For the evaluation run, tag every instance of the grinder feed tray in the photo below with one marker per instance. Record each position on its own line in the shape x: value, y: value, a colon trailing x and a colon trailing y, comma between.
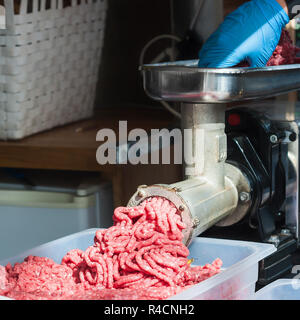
x: 183, y: 81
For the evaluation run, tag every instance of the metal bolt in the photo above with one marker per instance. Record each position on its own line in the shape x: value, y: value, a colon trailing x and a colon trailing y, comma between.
x: 293, y: 137
x: 181, y: 208
x: 285, y: 231
x: 196, y: 222
x: 274, y: 138
x: 244, y: 196
x: 223, y: 156
x: 274, y: 239
x: 142, y: 193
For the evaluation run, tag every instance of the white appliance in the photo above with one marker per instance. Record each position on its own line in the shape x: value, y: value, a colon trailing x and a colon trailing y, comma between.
x: 41, y: 206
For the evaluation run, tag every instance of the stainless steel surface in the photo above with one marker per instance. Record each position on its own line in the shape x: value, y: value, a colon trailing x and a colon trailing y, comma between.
x: 198, y: 114
x: 183, y: 81
x: 244, y: 189
x: 206, y: 144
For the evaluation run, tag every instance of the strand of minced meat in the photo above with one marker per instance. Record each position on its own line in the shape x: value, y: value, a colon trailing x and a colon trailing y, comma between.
x: 143, y: 249
x: 284, y: 54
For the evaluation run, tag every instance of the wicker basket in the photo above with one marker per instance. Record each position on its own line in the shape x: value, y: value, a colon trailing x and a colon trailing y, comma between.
x: 49, y: 62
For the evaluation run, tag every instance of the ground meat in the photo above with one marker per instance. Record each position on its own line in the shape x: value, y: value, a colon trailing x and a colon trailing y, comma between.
x: 3, y: 279
x: 285, y: 52
x: 39, y: 276
x: 143, y: 249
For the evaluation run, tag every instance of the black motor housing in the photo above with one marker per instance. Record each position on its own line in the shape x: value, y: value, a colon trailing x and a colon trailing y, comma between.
x: 259, y: 147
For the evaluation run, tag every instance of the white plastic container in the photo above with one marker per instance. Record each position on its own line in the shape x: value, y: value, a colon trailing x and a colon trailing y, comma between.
x: 76, y: 183
x: 283, y: 289
x: 236, y: 281
x: 240, y: 269
x: 48, y: 211
x: 49, y: 63
x: 30, y: 218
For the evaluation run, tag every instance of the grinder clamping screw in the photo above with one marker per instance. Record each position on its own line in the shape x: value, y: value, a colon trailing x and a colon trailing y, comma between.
x: 142, y: 193
x: 285, y: 232
x: 273, y: 138
x: 181, y: 208
x: 274, y: 239
x: 196, y: 222
x: 244, y: 196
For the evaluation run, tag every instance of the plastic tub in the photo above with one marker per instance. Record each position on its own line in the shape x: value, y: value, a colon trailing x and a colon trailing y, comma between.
x: 240, y: 269
x: 284, y: 289
x: 31, y: 218
x: 236, y: 281
x: 38, y: 206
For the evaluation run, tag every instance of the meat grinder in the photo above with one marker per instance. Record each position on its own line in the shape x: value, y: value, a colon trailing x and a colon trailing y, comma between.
x: 242, y: 180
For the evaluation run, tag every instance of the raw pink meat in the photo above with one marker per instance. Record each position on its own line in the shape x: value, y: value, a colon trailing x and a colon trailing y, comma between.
x: 285, y: 52
x: 143, y: 249
x: 3, y: 278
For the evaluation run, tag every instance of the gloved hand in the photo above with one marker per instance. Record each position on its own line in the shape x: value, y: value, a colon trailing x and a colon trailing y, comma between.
x: 251, y: 33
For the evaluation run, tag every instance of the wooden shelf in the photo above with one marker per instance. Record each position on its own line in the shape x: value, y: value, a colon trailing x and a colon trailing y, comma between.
x: 74, y: 146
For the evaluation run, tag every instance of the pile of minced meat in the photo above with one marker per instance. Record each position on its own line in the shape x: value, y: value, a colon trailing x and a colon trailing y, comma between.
x: 142, y: 250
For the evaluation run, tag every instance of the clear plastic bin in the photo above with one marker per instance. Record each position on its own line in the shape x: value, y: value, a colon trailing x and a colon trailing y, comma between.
x: 236, y: 281
x: 240, y: 269
x: 31, y: 218
x: 284, y: 289
x: 38, y: 206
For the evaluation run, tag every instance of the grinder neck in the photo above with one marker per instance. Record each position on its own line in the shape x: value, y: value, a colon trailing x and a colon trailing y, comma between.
x: 205, y: 140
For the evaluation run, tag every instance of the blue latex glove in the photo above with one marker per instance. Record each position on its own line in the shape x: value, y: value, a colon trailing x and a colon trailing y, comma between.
x: 251, y: 33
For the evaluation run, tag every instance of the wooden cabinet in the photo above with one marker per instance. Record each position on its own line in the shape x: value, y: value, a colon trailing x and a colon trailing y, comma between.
x: 73, y: 147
